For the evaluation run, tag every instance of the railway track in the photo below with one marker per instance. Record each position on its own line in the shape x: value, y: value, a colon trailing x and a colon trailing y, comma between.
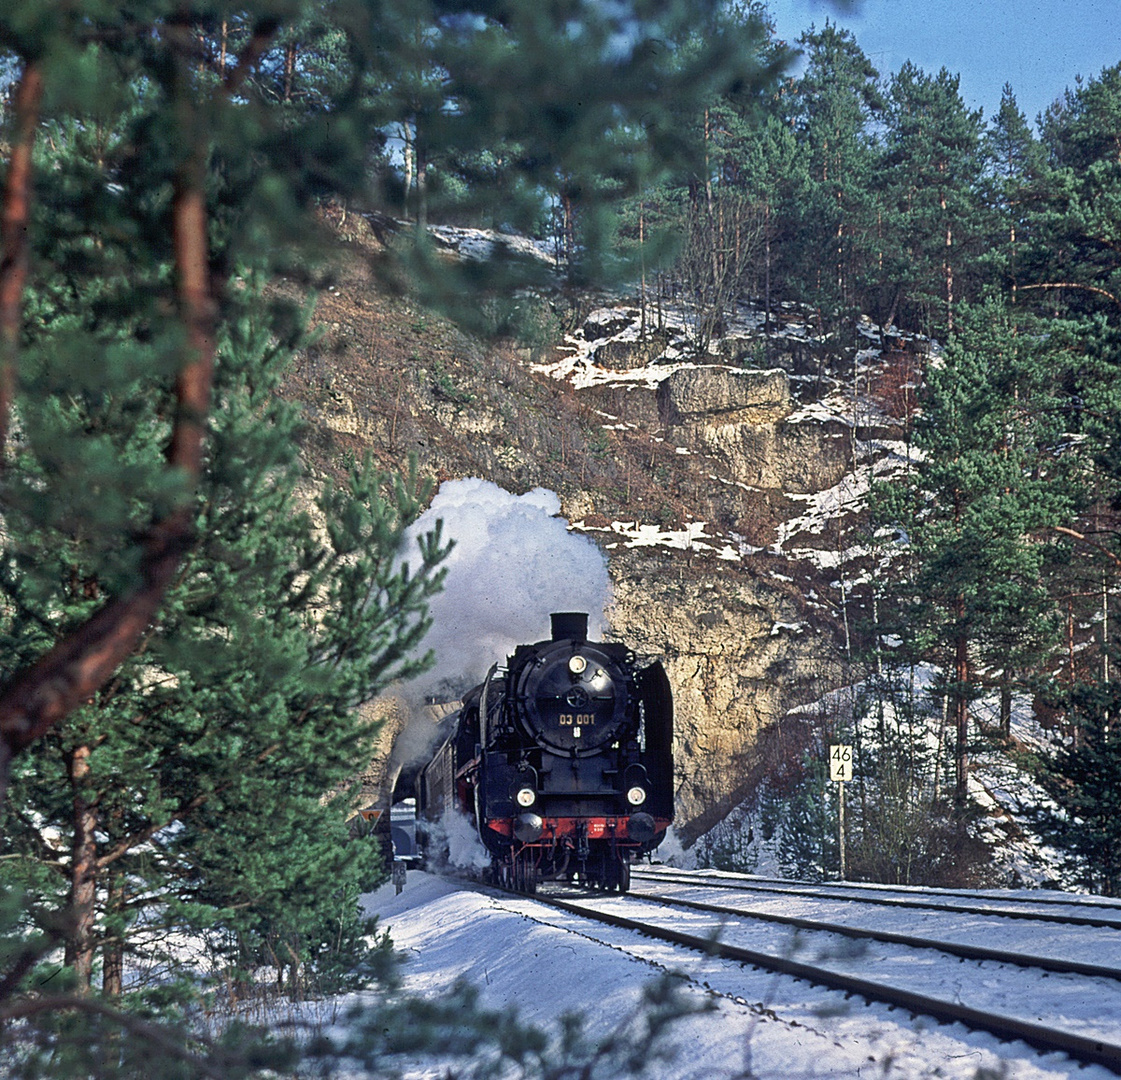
x: 953, y: 948
x: 1039, y: 897
x: 1018, y: 907
x: 893, y: 977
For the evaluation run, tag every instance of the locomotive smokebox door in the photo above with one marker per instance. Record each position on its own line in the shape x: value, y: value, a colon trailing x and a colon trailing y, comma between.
x: 573, y: 697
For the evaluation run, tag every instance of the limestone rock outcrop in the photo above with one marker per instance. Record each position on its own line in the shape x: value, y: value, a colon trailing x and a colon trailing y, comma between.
x: 794, y: 458
x: 724, y: 395
x: 740, y: 650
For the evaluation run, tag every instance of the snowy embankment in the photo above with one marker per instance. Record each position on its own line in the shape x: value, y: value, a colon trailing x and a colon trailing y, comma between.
x: 542, y: 963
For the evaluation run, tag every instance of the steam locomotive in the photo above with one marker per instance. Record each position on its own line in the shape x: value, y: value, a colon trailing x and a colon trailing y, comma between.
x: 562, y: 759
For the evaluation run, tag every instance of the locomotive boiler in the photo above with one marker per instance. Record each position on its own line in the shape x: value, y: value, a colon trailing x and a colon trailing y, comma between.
x: 562, y: 759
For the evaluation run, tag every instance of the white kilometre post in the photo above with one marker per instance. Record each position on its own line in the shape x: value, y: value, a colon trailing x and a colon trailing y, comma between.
x: 840, y: 770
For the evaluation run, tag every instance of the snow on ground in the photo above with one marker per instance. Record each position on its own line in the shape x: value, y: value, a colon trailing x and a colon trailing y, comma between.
x: 1011, y: 798
x: 692, y: 538
x: 482, y: 244
x: 525, y: 957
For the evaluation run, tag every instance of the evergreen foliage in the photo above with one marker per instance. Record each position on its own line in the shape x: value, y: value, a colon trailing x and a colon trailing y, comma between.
x: 1083, y: 777
x: 834, y: 105
x: 930, y: 174
x: 1014, y: 165
x: 190, y: 794
x: 987, y: 486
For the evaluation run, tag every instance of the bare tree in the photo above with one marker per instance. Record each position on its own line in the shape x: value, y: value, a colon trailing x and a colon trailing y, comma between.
x: 724, y: 240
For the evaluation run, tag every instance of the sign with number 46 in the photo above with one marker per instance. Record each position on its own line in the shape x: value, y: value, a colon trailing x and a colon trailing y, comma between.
x: 840, y: 762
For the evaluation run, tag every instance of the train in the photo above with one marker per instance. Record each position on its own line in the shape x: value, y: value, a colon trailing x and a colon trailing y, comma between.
x: 562, y: 759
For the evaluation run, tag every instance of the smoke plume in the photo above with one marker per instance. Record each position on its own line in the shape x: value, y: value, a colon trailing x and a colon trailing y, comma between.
x: 514, y: 562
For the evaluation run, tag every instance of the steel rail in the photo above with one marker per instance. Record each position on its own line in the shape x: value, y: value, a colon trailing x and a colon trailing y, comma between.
x: 953, y: 948
x: 826, y: 893
x: 1079, y: 1047
x: 1044, y: 897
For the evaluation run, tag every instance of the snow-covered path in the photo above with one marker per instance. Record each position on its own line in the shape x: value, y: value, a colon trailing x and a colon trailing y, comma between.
x: 543, y: 963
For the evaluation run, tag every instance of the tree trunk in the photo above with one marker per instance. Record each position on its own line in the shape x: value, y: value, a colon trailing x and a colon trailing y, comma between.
x: 15, y: 218
x: 83, y: 872
x: 569, y: 226
x: 223, y: 48
x: 949, y: 271
x: 407, y: 139
x: 642, y: 257
x: 39, y: 696
x: 421, y: 186
x: 1006, y: 704
x: 113, y: 951
x: 961, y: 718
x: 289, y: 70
x: 767, y: 278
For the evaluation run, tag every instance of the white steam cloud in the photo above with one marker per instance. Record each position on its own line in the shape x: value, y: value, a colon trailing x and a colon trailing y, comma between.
x: 513, y: 564
x: 465, y: 850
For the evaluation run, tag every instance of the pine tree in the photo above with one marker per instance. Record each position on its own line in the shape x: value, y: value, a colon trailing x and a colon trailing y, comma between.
x: 773, y: 168
x: 1084, y: 780
x: 986, y: 489
x: 1073, y: 278
x: 195, y: 779
x: 834, y: 105
x: 930, y: 175
x: 1014, y: 164
x: 1076, y: 270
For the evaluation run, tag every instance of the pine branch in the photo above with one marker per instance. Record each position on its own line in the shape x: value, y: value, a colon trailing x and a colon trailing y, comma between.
x: 264, y: 34
x: 1083, y: 538
x: 1073, y: 285
x: 156, y: 1035
x: 123, y: 847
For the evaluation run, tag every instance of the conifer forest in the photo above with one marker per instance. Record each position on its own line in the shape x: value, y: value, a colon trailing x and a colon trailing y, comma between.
x: 183, y: 648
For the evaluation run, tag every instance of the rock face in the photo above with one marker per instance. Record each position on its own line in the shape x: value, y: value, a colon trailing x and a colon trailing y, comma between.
x: 742, y: 418
x: 724, y: 395
x: 795, y: 458
x: 739, y: 651
x: 628, y: 355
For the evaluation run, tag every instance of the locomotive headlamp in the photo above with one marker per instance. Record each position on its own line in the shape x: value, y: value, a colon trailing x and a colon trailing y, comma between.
x: 636, y: 796
x: 525, y: 796
x: 577, y: 665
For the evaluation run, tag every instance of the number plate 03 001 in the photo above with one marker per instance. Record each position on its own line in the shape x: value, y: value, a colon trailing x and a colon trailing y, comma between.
x: 576, y: 719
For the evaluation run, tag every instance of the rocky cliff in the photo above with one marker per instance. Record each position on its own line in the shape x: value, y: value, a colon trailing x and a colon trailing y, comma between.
x: 726, y: 489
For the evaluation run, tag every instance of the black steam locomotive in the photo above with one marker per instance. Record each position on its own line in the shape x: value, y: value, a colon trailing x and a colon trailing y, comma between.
x: 563, y: 760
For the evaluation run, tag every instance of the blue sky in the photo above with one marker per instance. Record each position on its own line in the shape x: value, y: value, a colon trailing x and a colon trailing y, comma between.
x: 1039, y: 46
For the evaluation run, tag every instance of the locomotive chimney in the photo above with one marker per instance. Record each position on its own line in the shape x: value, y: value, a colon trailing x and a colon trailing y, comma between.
x: 569, y: 624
